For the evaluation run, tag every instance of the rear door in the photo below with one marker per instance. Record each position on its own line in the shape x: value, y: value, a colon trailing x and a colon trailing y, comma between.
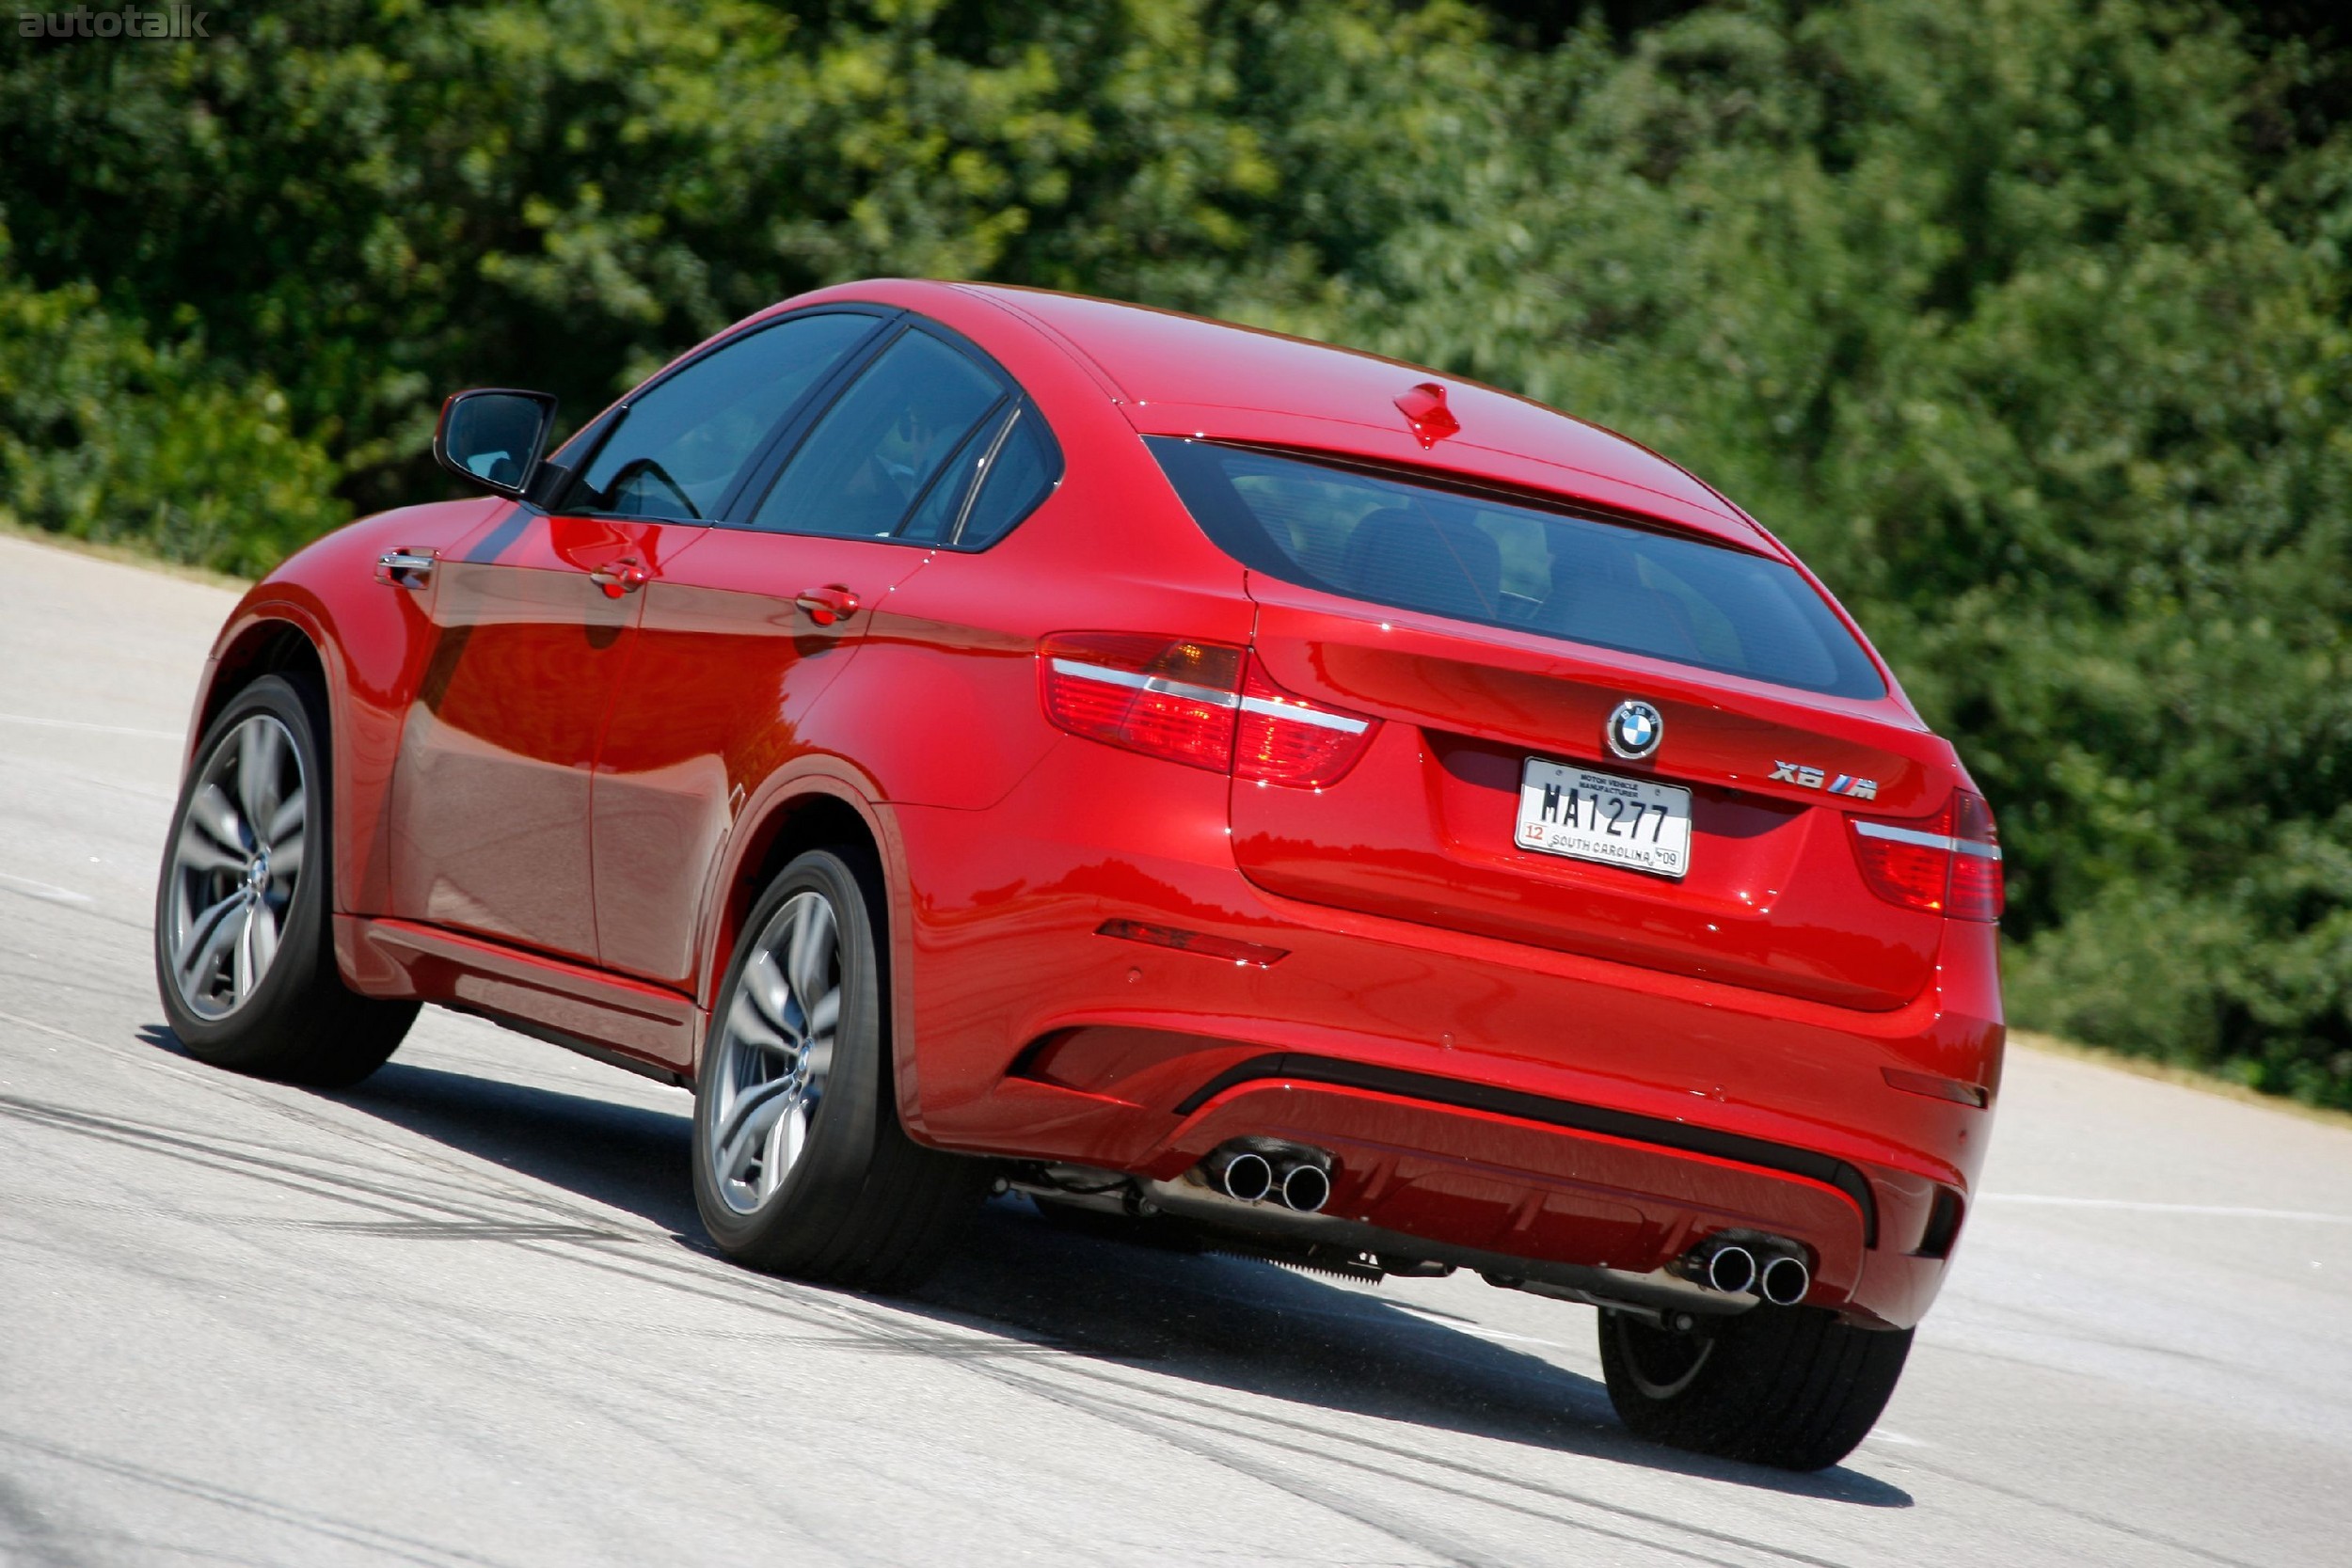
x: 741, y: 639
x: 1495, y: 641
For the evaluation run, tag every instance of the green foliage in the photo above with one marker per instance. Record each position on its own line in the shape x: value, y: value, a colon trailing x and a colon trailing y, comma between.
x: 2023, y: 320
x: 105, y: 436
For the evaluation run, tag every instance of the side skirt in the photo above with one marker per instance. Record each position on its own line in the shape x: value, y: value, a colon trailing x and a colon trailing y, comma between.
x: 645, y: 1028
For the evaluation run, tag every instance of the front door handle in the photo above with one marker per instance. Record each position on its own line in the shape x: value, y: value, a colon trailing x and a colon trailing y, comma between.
x: 826, y: 606
x: 622, y: 577
x: 410, y: 569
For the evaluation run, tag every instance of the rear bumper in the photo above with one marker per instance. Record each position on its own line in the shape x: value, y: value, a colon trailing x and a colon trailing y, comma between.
x: 1486, y: 1099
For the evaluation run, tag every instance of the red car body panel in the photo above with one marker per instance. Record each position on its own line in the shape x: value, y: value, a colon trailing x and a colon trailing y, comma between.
x: 553, y: 805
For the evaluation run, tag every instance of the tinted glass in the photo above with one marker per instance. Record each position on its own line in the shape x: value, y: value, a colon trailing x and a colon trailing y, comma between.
x: 682, y: 443
x: 1021, y: 475
x: 936, y: 514
x: 872, y: 456
x: 1485, y: 559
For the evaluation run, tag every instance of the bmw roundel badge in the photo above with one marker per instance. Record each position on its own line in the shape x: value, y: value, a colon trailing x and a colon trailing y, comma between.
x: 1634, y: 730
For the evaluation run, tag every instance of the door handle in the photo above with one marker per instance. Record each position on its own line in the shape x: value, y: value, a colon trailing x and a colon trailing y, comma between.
x: 410, y: 569
x: 622, y: 577
x: 827, y: 605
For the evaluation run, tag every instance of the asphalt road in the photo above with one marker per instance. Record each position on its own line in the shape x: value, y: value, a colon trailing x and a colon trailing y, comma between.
x: 463, y: 1316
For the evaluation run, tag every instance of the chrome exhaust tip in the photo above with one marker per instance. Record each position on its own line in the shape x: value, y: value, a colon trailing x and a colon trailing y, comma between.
x: 1306, y: 1188
x: 1238, y: 1173
x: 1785, y: 1281
x: 1730, y: 1269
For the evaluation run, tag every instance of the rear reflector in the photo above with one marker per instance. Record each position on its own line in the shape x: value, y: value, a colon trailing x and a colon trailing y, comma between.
x: 1935, y: 1088
x: 1194, y: 942
x: 1948, y: 864
x: 1206, y: 705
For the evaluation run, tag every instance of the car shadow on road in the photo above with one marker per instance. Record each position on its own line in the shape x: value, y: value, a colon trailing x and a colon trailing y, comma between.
x: 1208, y: 1317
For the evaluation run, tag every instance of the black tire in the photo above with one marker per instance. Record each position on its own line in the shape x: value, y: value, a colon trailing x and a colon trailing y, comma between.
x: 1790, y: 1387
x: 854, y: 1201
x: 297, y: 1020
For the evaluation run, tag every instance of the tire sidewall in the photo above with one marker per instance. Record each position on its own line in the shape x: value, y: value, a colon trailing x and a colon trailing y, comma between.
x: 831, y: 1168
x: 227, y: 1040
x: 1744, y: 1402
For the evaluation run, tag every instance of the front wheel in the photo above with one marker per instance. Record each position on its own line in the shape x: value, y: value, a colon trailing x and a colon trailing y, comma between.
x: 243, y: 955
x: 800, y: 1165
x: 1790, y: 1387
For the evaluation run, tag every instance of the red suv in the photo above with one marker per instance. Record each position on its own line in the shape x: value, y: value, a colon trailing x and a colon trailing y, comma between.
x: 1279, y: 795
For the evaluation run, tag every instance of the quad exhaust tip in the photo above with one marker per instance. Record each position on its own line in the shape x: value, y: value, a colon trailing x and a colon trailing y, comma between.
x: 1306, y: 1188
x: 1731, y: 1269
x: 1240, y: 1173
x: 1294, y: 1176
x: 1785, y: 1281
x: 1745, y: 1262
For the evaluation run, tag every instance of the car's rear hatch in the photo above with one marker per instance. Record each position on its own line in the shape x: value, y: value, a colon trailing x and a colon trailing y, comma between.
x: 1426, y: 826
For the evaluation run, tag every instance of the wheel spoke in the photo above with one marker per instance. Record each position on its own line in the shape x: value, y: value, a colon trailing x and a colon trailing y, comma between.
x: 263, y: 924
x: 749, y: 1025
x: 764, y: 984
x: 748, y: 1123
x: 200, y: 849
x: 285, y: 823
x: 213, y: 813
x: 209, y: 938
x: 825, y: 1014
x: 241, y: 972
x: 260, y: 756
x: 808, y: 956
x: 792, y: 1139
x: 817, y: 1064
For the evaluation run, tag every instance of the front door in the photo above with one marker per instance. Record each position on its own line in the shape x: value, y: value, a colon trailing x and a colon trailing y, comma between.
x: 492, y: 804
x: 489, y: 808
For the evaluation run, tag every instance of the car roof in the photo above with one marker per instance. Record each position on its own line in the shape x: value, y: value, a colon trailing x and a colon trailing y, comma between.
x: 1177, y: 374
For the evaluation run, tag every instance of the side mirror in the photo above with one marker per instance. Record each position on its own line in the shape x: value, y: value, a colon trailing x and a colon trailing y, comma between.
x: 493, y: 436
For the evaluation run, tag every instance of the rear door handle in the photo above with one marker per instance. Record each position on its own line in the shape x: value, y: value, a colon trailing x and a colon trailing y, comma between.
x: 410, y: 569
x: 826, y: 606
x: 622, y: 577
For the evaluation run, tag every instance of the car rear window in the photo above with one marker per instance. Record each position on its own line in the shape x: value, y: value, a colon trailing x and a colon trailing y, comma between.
x: 1482, y: 558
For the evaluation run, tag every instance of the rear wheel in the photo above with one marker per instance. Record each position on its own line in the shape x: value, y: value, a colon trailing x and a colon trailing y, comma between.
x: 1790, y: 1387
x: 244, y: 954
x: 800, y: 1165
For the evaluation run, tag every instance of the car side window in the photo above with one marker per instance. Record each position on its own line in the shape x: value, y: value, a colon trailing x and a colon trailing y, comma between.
x: 941, y: 509
x: 875, y: 452
x: 1022, y: 471
x: 683, y: 442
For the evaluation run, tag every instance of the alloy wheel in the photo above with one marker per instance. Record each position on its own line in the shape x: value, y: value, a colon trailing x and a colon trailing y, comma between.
x: 236, y: 863
x: 776, y: 1052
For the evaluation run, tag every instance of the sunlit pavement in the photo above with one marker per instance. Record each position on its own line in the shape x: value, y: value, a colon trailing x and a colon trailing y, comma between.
x: 463, y: 1315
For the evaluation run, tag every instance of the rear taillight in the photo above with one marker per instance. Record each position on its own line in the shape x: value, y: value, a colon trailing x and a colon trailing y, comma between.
x: 1948, y: 864
x: 1207, y: 705
x: 1164, y: 697
x: 1285, y: 739
x: 1977, y: 890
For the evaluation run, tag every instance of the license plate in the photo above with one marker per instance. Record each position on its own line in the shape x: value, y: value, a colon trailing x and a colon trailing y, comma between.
x: 1601, y: 816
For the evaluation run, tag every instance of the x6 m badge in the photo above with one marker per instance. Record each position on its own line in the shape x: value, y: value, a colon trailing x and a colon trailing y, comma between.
x: 1813, y: 778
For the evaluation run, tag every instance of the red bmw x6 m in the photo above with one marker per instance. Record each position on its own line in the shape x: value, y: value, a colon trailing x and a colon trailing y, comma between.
x: 1283, y: 797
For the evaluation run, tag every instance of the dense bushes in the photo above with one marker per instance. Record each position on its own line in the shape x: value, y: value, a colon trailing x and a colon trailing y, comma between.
x: 2024, y: 320
x: 107, y: 436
